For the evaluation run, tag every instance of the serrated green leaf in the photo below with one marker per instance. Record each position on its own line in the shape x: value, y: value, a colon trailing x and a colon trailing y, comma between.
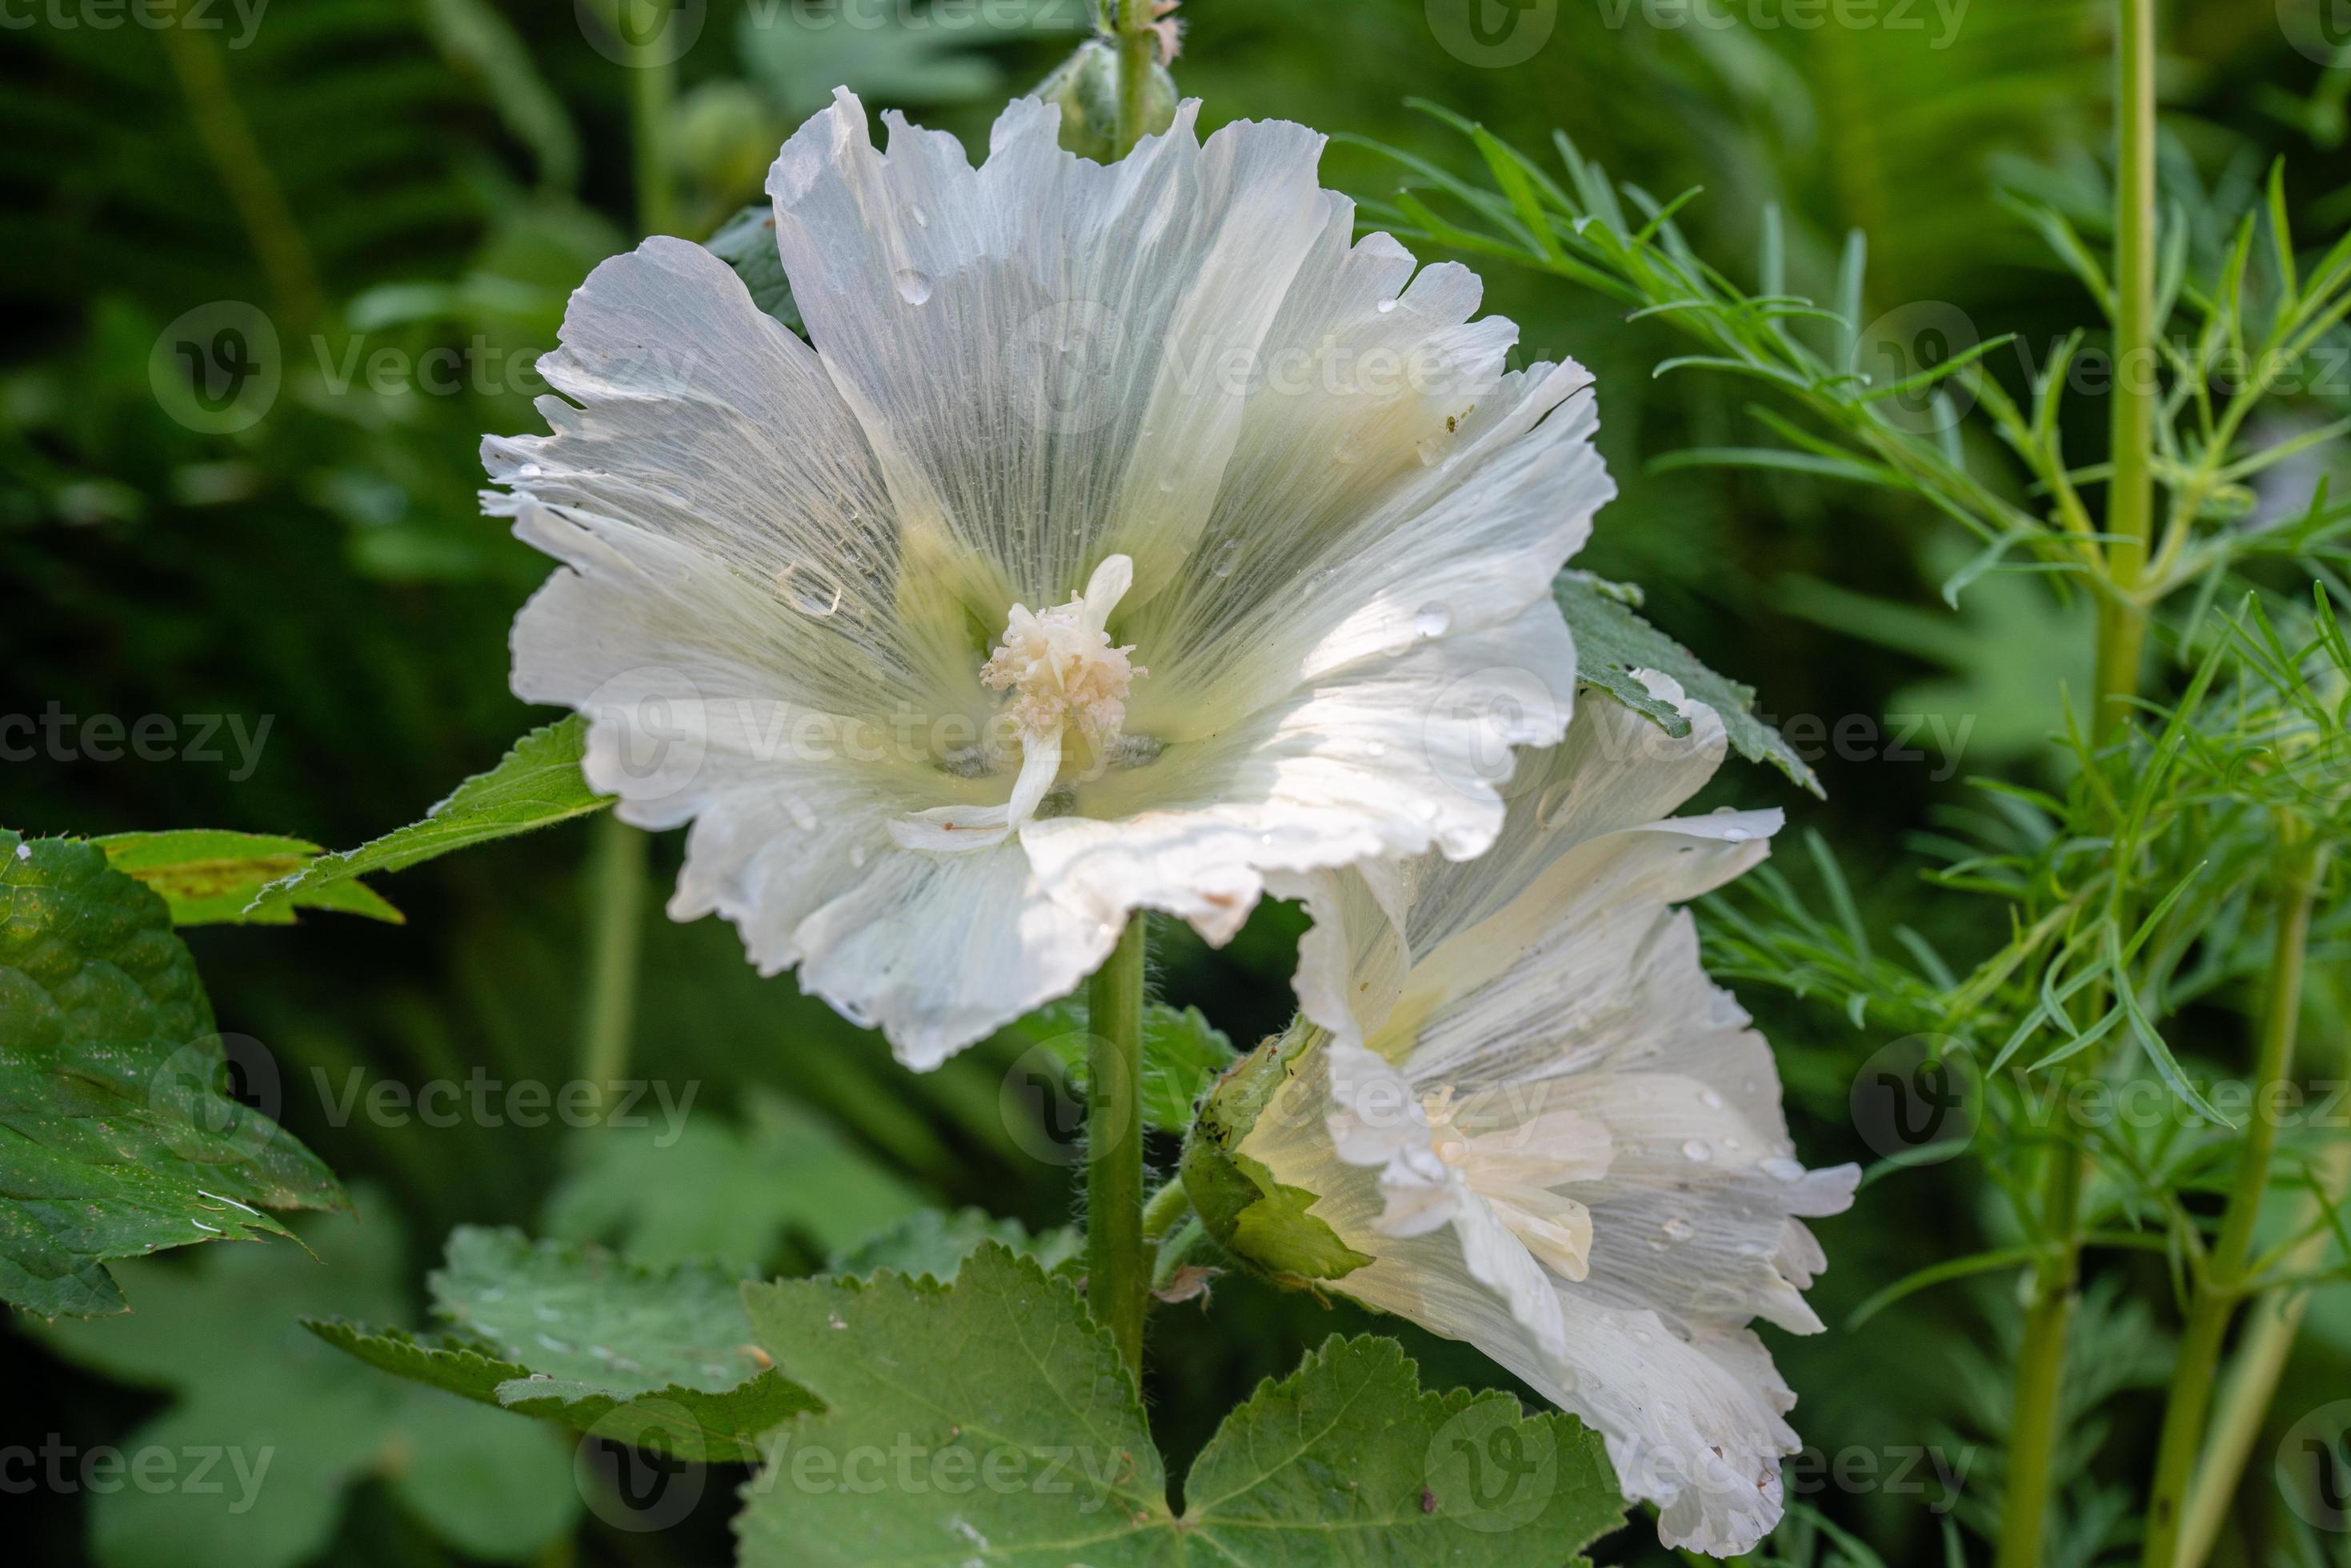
x: 289, y: 1425
x: 536, y: 784
x: 577, y: 1337
x: 936, y: 1242
x: 1181, y: 1055
x: 747, y: 242
x: 1008, y: 1430
x: 1611, y: 642
x: 116, y: 1137
x: 704, y: 1188
x: 209, y: 875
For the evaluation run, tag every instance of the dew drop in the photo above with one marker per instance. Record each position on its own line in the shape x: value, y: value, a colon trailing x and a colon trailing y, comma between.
x: 922, y: 219
x: 1697, y: 1150
x: 1386, y: 306
x: 913, y: 288
x: 1428, y: 449
x: 1432, y: 620
x: 1679, y: 1229
x: 808, y: 589
x: 1782, y: 1169
x: 1553, y: 801
x: 1221, y: 564
x: 1710, y: 1100
x: 1736, y: 835
x: 1376, y: 748
x: 1731, y: 1143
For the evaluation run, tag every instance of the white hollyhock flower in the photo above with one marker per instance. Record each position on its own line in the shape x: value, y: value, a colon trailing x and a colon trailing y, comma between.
x: 1132, y: 536
x: 1551, y: 1136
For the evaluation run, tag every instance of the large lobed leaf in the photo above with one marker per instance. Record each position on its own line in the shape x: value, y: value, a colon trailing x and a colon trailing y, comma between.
x: 684, y: 1186
x: 536, y: 784
x: 991, y: 1420
x: 577, y: 1337
x: 268, y: 1430
x: 116, y: 1136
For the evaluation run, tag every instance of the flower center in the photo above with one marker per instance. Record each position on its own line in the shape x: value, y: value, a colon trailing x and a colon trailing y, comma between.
x: 1062, y: 671
x: 1059, y: 663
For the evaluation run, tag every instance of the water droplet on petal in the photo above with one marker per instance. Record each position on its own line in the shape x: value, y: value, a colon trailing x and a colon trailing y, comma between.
x: 913, y: 288
x: 809, y: 588
x: 1782, y: 1169
x: 922, y: 219
x: 1697, y: 1149
x: 1736, y: 835
x: 1432, y: 620
x: 1680, y: 1229
x: 1376, y: 748
x: 1386, y: 306
x: 1221, y: 566
x: 1710, y: 1100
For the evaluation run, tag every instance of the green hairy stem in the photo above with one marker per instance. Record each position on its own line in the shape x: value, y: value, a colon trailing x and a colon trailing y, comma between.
x: 1118, y: 1265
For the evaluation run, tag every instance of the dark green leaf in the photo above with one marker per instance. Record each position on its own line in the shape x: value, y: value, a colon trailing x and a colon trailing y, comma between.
x: 694, y: 1187
x: 116, y: 1135
x: 536, y: 784
x: 577, y: 1337
x: 1181, y: 1055
x: 1611, y: 642
x: 289, y: 1425
x: 209, y: 875
x: 1012, y: 1431
x: 936, y: 1242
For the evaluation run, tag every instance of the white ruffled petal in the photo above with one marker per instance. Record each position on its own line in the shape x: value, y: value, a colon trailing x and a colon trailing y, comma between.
x: 1035, y: 346
x: 1596, y: 1119
x: 1398, y: 756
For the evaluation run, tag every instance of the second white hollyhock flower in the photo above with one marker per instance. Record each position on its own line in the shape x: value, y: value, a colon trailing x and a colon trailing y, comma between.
x: 1530, y: 1121
x: 1132, y: 536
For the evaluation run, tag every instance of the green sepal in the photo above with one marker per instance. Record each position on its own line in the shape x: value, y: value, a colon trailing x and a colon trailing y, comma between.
x: 1255, y: 1217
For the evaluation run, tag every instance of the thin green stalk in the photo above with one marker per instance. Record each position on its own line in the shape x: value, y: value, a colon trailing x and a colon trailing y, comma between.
x: 2272, y: 1323
x: 653, y: 86
x: 229, y: 143
x: 616, y: 897
x: 2222, y: 1283
x: 2130, y: 506
x: 2122, y: 634
x: 1118, y: 1265
x: 1136, y: 46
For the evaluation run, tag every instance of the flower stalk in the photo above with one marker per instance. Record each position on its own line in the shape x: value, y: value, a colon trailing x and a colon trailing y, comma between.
x: 1118, y: 1262
x: 2222, y: 1283
x: 2121, y: 639
x: 1137, y: 48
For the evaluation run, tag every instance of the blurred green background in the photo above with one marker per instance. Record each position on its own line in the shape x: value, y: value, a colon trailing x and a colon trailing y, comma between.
x: 417, y: 185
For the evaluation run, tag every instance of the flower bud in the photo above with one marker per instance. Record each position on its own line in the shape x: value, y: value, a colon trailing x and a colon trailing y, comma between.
x: 1086, y: 86
x: 1251, y: 1215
